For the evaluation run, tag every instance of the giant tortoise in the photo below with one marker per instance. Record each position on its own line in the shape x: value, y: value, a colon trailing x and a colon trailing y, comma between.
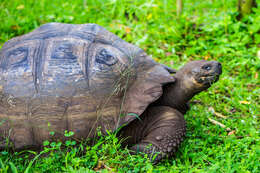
x: 78, y: 77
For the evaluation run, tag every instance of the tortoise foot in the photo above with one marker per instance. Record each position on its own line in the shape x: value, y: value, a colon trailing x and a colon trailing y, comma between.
x: 163, y: 133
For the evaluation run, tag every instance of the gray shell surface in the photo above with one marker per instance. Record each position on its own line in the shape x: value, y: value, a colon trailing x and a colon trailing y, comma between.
x: 73, y: 77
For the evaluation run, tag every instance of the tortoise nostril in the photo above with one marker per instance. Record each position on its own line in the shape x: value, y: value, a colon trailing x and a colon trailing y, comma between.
x: 219, y: 68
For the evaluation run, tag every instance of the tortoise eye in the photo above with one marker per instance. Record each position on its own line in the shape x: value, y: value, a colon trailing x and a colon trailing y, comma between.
x: 106, y: 58
x: 207, y: 67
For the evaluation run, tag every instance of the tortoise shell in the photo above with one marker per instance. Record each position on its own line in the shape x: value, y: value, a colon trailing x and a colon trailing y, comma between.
x: 73, y: 77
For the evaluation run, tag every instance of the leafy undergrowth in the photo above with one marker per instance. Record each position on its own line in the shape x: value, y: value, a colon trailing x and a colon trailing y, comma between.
x: 206, y: 30
x: 104, y: 155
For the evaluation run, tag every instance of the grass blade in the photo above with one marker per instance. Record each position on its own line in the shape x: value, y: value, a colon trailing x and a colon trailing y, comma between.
x: 13, y: 167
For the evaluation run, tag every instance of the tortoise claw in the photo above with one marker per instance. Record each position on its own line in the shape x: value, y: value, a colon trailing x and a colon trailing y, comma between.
x: 153, y: 152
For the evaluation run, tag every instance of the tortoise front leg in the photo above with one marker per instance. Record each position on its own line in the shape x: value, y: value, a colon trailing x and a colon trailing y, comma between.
x: 162, y: 129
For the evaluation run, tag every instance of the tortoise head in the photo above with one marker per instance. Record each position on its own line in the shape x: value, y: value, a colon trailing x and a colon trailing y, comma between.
x: 197, y: 76
x: 191, y: 79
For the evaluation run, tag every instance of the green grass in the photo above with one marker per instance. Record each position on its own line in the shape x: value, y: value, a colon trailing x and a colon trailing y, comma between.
x: 206, y: 30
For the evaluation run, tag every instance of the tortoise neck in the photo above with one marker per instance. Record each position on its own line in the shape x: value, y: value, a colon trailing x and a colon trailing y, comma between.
x: 176, y: 95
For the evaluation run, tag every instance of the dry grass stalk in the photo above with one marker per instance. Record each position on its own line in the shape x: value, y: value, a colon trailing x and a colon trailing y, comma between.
x: 219, y: 124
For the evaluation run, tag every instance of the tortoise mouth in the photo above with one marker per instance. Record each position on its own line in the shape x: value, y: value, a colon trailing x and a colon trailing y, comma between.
x: 209, y: 79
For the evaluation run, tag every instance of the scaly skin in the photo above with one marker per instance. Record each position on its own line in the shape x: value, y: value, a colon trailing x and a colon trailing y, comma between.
x: 162, y: 126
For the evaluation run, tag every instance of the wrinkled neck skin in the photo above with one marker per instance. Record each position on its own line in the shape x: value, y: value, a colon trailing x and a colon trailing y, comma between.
x: 177, y: 95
